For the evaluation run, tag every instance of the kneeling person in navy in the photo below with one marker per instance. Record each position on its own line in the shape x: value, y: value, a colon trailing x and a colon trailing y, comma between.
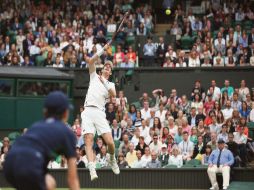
x: 25, y: 167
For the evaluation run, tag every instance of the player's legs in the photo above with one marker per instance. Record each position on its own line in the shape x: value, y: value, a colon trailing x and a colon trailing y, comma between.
x: 50, y: 182
x: 88, y: 129
x: 90, y: 157
x: 107, y: 137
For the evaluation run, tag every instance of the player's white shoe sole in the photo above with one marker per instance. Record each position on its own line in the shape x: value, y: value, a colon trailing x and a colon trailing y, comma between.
x: 114, y: 166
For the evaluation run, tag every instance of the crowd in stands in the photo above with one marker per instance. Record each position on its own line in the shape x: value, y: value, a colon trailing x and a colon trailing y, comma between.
x: 178, y: 130
x: 64, y: 33
x: 222, y: 36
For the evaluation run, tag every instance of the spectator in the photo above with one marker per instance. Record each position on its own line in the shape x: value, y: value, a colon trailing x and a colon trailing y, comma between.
x: 138, y: 163
x: 131, y: 55
x: 176, y: 158
x: 80, y: 163
x: 241, y: 139
x: 144, y: 129
x: 194, y: 60
x: 138, y: 120
x: 206, y: 155
x: 141, y: 145
x: 110, y: 113
x: 243, y: 90
x: 154, y: 163
x: 103, y: 157
x: 186, y: 147
x: 116, y: 130
x: 146, y: 158
x: 220, y: 161
x: 161, y: 50
x: 131, y: 156
x: 227, y: 112
x: 6, y: 145
x: 199, y: 148
x: 236, y: 104
x: 135, y: 138
x: 119, y: 57
x: 192, y: 120
x: 156, y: 144
x: 121, y: 162
x: 145, y: 112
x: 223, y: 134
x: 124, y: 146
x: 213, y: 143
x: 233, y: 147
x: 214, y: 127
x: 164, y: 156
x: 197, y: 102
x: 149, y: 51
x: 244, y: 110
x: 228, y: 88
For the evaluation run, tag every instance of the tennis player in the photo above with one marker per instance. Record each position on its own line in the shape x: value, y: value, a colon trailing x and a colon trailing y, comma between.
x: 94, y: 117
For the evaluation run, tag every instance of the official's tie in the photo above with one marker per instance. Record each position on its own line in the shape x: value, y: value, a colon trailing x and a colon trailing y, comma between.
x: 218, y: 161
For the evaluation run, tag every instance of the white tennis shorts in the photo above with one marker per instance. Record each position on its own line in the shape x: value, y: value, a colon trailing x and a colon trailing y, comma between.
x: 94, y: 119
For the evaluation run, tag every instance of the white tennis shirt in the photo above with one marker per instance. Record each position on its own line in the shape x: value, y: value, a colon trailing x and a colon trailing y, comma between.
x: 97, y: 94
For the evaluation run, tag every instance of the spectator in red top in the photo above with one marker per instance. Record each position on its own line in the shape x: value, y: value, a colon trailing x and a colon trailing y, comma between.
x: 243, y: 123
x: 209, y: 104
x: 131, y: 55
x: 208, y: 119
x: 119, y: 56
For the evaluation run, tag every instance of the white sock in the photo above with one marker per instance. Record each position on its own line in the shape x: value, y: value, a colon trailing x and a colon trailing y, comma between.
x: 112, y: 156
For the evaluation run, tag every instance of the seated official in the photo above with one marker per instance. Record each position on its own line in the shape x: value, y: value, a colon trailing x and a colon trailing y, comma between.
x: 219, y: 162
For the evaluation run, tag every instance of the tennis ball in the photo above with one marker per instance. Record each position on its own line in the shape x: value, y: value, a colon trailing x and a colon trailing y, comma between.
x: 168, y: 12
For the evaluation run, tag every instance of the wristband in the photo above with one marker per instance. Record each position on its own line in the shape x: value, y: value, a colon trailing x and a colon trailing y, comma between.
x: 99, y: 53
x: 105, y: 84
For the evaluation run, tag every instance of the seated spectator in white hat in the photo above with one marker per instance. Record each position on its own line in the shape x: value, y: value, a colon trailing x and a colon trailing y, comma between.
x: 176, y: 158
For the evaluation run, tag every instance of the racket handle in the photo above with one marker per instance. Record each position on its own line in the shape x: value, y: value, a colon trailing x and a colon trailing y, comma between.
x: 109, y: 42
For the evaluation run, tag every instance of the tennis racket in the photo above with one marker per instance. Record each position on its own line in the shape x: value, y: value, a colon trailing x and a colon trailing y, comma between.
x: 119, y: 28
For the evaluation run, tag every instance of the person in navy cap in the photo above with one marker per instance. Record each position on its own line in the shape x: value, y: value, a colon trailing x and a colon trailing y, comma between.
x: 220, y: 161
x: 25, y: 167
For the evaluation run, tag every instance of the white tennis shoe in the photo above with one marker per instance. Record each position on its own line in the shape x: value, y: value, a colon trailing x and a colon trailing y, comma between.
x: 114, y: 166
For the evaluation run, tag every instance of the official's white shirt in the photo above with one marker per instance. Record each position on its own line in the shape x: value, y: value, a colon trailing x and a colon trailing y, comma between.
x: 97, y: 94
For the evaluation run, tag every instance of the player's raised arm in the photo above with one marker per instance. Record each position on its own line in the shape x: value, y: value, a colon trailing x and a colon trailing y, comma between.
x: 72, y: 177
x: 91, y: 61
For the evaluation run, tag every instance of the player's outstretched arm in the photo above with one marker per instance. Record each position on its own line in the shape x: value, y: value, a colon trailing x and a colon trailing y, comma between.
x: 91, y: 61
x: 73, y: 180
x: 111, y: 89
